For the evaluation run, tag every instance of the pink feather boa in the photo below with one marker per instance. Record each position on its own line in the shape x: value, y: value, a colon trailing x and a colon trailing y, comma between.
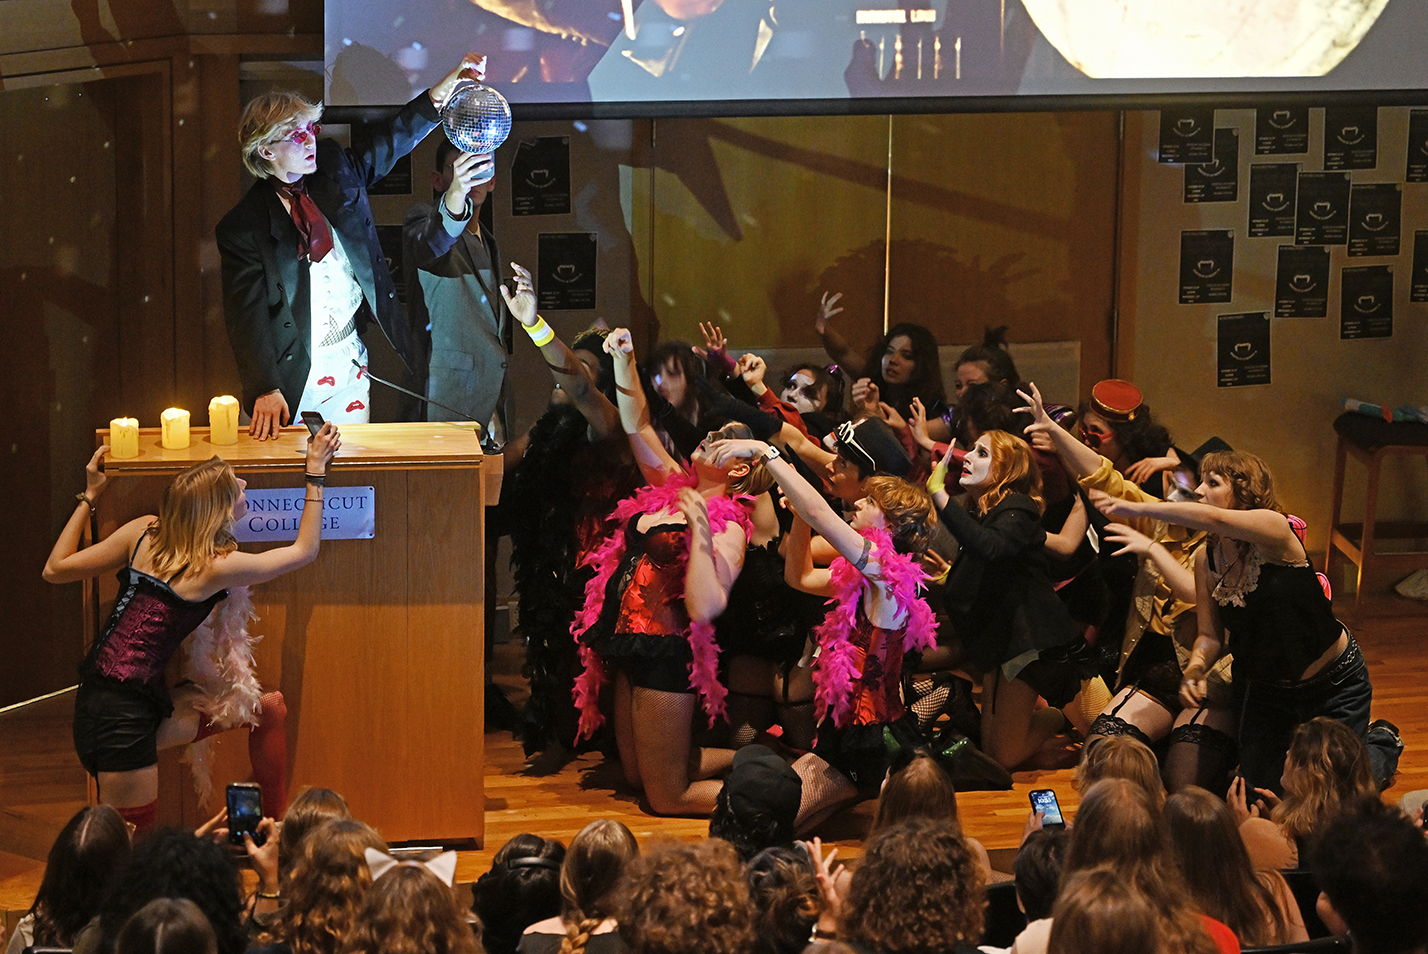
x: 836, y: 671
x: 704, y: 668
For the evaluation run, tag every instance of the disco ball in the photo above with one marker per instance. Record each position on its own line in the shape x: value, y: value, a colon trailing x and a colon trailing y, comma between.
x: 477, y: 119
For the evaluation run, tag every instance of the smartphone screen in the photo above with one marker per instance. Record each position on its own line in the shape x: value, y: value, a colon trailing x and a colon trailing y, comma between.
x: 313, y: 420
x: 245, y: 810
x: 1044, y: 800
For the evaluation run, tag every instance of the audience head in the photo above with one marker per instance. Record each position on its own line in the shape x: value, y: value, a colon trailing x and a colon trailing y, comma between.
x: 916, y: 787
x: 409, y: 910
x: 918, y: 890
x: 1207, y: 850
x: 325, y: 887
x: 593, y: 867
x: 1120, y: 756
x: 1101, y: 911
x: 869, y: 447
x: 1236, y: 480
x: 904, y: 364
x: 1118, y: 823
x: 906, y: 509
x: 1371, y: 863
x: 682, y: 898
x: 589, y: 348
x: 812, y: 389
x: 1037, y: 869
x: 311, y: 808
x: 786, y: 899
x: 1327, y: 765
x: 174, y: 863
x: 758, y: 803
x: 991, y: 407
x: 743, y: 475
x: 167, y: 926
x: 522, y: 887
x: 90, y: 849
x: 986, y: 363
x: 1001, y: 464
x: 673, y: 366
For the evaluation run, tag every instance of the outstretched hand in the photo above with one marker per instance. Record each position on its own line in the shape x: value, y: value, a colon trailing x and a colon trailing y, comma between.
x: 523, y: 303
x: 1112, y: 507
x: 734, y: 448
x: 1128, y: 538
x: 714, y: 340
x: 472, y: 67
x: 95, y: 480
x: 1147, y: 467
x: 826, y: 310
x: 322, y: 447
x: 619, y: 342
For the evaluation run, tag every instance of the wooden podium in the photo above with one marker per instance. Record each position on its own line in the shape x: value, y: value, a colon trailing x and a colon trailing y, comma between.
x: 377, y: 645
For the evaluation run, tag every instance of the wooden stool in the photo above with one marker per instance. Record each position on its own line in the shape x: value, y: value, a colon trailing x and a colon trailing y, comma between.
x: 1369, y: 441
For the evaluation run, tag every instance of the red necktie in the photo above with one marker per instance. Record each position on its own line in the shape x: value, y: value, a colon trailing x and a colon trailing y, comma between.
x: 314, y: 235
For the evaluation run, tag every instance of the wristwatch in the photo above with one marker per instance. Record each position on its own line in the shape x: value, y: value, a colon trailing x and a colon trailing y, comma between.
x: 770, y: 453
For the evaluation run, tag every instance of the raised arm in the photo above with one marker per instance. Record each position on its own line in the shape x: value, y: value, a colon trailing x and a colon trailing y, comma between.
x: 833, y: 342
x: 655, y: 462
x: 1067, y: 540
x: 798, y: 569
x: 714, y: 561
x: 570, y: 373
x: 248, y: 569
x: 1208, y: 638
x: 67, y: 562
x: 1267, y: 529
x: 806, y: 501
x: 1045, y: 434
x: 1179, y: 577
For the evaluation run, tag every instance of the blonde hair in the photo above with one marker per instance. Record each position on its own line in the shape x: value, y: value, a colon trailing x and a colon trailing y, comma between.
x: 195, y: 524
x: 1248, y: 476
x: 1120, y: 756
x: 592, y: 869
x: 1013, y: 471
x: 269, y: 118
x: 1326, y: 767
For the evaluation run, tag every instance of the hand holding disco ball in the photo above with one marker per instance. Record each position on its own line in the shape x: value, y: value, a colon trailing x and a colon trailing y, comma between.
x: 477, y: 119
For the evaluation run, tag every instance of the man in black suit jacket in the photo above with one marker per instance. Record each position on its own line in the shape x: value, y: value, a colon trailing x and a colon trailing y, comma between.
x: 311, y: 197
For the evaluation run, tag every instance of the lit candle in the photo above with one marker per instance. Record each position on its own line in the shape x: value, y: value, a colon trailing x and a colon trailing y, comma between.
x: 223, y: 419
x: 175, y: 428
x: 123, y: 438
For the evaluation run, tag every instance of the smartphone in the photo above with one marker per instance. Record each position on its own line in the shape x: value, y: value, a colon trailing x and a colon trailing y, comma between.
x: 314, y: 421
x: 1044, y: 800
x: 245, y: 810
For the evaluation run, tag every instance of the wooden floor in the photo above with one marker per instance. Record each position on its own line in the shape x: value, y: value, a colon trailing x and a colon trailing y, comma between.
x: 41, y: 785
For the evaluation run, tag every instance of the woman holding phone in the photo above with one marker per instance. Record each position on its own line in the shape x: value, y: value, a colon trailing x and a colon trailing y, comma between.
x: 174, y: 568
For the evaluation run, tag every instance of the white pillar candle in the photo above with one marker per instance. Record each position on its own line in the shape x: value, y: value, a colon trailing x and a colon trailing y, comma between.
x: 175, y: 428
x: 123, y: 438
x: 223, y: 419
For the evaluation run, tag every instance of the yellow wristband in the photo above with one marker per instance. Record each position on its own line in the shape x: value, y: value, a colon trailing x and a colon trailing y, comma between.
x: 938, y: 480
x: 540, y: 332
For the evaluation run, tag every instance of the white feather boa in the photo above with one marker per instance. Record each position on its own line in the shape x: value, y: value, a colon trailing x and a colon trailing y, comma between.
x: 218, y: 662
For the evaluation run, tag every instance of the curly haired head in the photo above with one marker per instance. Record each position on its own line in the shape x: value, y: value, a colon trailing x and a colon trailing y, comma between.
x: 1013, y: 471
x: 522, y: 887
x: 918, y: 891
x: 1118, y: 823
x: 921, y: 788
x: 908, y: 509
x: 1327, y: 765
x: 174, y: 863
x: 593, y: 867
x: 90, y: 849
x: 683, y: 898
x: 310, y: 809
x: 1120, y: 756
x: 410, y: 911
x: 1248, y: 476
x: 786, y: 899
x: 325, y: 887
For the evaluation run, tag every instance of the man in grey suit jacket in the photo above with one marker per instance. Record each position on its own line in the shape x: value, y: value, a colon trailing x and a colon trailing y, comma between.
x: 453, y: 269
x: 302, y: 241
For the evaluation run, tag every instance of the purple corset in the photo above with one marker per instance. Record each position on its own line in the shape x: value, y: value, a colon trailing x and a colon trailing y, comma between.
x: 147, y: 625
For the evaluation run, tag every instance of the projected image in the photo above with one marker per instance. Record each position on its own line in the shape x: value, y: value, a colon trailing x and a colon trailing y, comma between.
x: 809, y: 52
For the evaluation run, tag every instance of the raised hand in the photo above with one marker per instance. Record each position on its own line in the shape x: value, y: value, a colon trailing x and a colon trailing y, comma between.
x: 523, y: 303
x: 826, y: 311
x: 321, y: 448
x: 472, y: 67
x: 1147, y: 467
x: 95, y: 480
x: 866, y: 396
x: 714, y: 339
x: 619, y: 342
x: 752, y: 369
x: 1128, y: 538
